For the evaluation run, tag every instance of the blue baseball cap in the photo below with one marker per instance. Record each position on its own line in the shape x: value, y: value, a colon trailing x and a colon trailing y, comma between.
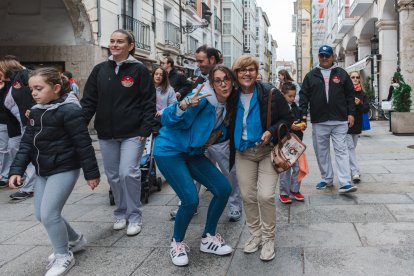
x: 326, y: 49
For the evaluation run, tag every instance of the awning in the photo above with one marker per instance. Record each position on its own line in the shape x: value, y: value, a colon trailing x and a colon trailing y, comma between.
x: 359, y: 65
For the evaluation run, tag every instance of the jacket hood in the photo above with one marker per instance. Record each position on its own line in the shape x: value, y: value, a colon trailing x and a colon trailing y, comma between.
x: 130, y: 59
x: 332, y: 67
x: 67, y: 99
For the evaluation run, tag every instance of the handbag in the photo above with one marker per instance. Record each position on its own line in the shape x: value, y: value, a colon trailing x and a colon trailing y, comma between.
x: 365, y: 121
x: 288, y: 149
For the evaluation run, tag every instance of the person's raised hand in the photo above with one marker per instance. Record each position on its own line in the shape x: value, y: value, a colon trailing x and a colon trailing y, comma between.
x: 193, y: 100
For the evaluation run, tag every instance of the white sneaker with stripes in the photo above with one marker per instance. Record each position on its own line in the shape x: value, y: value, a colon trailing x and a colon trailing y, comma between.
x: 178, y: 253
x: 61, y: 264
x: 215, y: 245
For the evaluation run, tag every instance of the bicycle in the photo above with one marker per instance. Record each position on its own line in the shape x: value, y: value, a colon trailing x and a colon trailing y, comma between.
x: 375, y: 108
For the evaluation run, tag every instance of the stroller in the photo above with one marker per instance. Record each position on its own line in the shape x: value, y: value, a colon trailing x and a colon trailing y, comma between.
x: 149, y: 177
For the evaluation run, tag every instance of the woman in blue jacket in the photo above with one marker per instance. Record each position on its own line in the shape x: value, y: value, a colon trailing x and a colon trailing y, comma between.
x: 188, y: 127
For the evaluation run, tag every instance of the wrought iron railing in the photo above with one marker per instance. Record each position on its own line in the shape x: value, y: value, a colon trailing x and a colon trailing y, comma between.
x: 140, y: 30
x: 172, y: 35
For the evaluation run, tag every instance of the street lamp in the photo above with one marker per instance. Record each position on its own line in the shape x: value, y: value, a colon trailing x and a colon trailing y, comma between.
x: 374, y: 51
x: 374, y: 45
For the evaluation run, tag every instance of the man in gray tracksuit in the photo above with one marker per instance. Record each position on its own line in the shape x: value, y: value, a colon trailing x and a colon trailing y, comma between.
x: 329, y: 92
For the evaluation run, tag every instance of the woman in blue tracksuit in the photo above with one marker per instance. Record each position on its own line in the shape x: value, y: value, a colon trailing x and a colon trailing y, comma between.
x: 188, y: 127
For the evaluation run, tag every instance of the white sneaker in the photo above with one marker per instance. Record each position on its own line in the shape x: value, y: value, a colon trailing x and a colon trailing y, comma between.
x: 74, y: 246
x: 133, y: 229
x: 61, y: 264
x: 215, y: 244
x: 120, y: 224
x: 178, y: 253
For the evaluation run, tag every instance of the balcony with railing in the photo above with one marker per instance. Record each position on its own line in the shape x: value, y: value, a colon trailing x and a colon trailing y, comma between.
x: 217, y: 24
x: 140, y: 30
x: 172, y: 35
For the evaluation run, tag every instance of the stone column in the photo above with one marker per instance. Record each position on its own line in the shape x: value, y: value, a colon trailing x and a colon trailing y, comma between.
x: 364, y: 49
x: 349, y: 58
x: 406, y: 14
x: 387, y: 36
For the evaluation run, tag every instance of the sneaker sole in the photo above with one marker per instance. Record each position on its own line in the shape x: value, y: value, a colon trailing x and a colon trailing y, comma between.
x: 350, y: 190
x: 299, y: 199
x: 356, y: 181
x: 252, y: 251
x: 17, y: 200
x: 285, y: 202
x: 324, y: 187
x: 215, y: 253
x: 269, y: 259
x: 133, y: 234
x: 231, y: 219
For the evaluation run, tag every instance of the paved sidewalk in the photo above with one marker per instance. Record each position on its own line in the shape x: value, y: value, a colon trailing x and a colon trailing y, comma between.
x: 370, y: 232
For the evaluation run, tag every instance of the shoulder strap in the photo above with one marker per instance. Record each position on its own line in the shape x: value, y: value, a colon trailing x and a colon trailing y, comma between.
x: 269, y: 109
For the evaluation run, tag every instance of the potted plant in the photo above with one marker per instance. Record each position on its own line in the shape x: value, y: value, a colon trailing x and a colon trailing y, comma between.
x: 402, y: 119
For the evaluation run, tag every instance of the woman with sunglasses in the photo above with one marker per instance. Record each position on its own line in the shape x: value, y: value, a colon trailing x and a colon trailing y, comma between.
x: 361, y: 106
x: 188, y: 127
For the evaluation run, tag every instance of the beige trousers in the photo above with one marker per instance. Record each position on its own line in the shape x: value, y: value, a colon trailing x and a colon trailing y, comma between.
x: 257, y: 182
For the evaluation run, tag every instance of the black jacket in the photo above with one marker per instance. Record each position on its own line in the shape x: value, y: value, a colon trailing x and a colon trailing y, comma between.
x: 341, y: 96
x: 124, y: 103
x: 297, y: 117
x: 280, y: 113
x: 179, y: 82
x: 359, y: 110
x: 56, y: 140
x: 22, y: 96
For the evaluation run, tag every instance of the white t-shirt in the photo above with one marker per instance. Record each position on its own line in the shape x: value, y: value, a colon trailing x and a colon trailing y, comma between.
x: 245, y: 100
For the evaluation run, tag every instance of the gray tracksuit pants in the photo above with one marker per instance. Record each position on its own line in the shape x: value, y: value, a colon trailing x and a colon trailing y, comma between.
x: 352, y: 141
x: 121, y: 158
x: 50, y: 195
x: 322, y: 133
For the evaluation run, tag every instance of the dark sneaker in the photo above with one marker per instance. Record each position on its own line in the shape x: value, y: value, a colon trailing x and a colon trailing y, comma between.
x: 323, y: 185
x: 3, y: 184
x: 347, y: 189
x: 20, y: 195
x: 356, y: 178
x: 234, y: 216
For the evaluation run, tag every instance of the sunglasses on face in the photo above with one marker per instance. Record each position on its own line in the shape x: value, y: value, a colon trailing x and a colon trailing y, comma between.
x: 324, y: 56
x: 355, y: 77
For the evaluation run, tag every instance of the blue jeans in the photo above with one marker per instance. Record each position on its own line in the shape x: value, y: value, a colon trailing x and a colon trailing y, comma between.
x: 179, y: 171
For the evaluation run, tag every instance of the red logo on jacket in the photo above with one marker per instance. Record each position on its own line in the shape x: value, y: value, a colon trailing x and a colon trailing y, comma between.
x: 127, y: 81
x: 17, y: 85
x: 336, y: 79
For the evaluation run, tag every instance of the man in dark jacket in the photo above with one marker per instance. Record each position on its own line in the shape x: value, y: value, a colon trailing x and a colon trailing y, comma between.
x: 178, y: 81
x: 329, y: 92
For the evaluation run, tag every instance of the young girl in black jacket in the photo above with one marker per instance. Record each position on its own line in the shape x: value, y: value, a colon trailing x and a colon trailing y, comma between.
x: 58, y: 144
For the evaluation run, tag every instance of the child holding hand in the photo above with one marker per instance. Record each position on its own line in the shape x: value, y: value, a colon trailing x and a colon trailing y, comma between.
x: 288, y: 182
x: 58, y: 144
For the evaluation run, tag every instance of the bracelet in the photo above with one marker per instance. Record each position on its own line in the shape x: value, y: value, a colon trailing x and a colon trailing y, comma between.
x: 188, y: 101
